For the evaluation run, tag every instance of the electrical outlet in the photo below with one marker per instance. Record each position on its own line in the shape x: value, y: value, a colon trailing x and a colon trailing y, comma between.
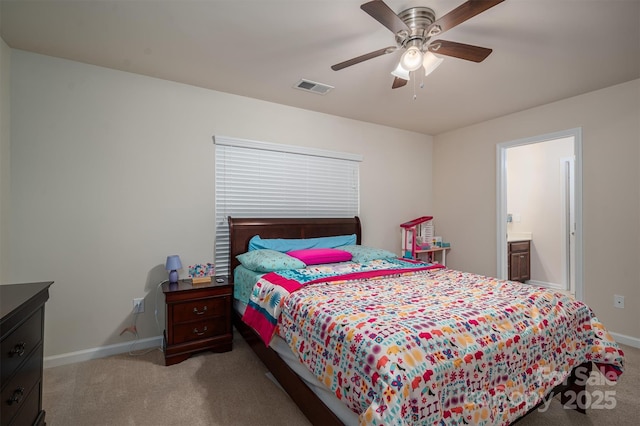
x: 618, y: 301
x: 138, y: 305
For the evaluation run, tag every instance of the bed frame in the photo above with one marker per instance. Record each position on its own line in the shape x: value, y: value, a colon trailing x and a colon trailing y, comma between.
x: 241, y: 230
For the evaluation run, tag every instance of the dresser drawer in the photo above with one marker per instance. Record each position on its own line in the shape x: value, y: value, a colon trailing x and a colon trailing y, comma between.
x: 19, y: 344
x: 16, y: 393
x: 29, y: 410
x: 200, y: 330
x: 200, y: 309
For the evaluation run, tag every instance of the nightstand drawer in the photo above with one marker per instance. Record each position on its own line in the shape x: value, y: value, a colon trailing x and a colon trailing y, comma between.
x: 199, y: 330
x: 199, y: 309
x: 19, y: 344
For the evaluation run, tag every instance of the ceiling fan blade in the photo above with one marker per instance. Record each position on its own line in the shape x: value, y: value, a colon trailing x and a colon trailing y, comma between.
x: 363, y: 58
x: 465, y: 11
x: 383, y: 14
x: 460, y: 50
x: 398, y: 82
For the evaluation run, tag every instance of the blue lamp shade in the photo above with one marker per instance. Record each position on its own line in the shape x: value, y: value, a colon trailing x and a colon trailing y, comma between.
x: 172, y: 265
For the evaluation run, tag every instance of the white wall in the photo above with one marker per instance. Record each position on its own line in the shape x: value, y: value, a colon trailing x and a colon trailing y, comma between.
x: 5, y: 152
x: 465, y: 193
x: 111, y: 172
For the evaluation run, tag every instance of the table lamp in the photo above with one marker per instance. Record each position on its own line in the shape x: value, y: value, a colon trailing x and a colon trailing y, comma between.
x: 172, y: 265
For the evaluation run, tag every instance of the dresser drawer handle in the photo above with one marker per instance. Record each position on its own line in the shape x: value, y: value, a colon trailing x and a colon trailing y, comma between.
x: 18, y: 349
x: 16, y: 397
x: 202, y: 312
x: 197, y: 333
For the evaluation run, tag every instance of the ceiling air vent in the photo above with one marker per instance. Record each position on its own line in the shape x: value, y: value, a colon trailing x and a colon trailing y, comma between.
x: 313, y: 87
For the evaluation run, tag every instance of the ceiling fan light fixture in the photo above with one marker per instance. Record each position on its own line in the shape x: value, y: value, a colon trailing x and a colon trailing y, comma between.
x: 411, y: 60
x: 430, y: 63
x: 400, y: 73
x: 413, y: 29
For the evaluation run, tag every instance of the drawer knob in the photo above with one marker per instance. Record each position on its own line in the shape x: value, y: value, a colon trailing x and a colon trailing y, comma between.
x: 202, y: 312
x: 198, y: 333
x: 16, y: 396
x: 18, y: 349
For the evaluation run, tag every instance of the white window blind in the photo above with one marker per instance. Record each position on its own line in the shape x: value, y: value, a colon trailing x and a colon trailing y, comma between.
x: 259, y: 179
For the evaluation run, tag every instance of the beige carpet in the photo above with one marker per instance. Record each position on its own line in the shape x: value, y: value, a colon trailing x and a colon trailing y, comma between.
x: 232, y: 389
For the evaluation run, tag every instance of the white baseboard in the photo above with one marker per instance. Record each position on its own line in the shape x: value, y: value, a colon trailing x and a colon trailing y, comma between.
x: 626, y: 340
x: 552, y: 286
x: 101, y: 352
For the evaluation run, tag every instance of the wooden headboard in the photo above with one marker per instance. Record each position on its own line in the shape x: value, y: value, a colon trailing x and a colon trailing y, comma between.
x: 241, y: 230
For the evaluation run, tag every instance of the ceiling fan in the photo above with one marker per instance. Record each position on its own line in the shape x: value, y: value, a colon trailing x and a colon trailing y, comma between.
x: 414, y: 28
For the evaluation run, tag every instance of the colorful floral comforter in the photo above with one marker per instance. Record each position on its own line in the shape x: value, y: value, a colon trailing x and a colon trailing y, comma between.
x: 439, y: 346
x: 270, y: 292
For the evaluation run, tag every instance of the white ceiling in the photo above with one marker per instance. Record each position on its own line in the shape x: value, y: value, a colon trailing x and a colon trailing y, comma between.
x: 543, y: 51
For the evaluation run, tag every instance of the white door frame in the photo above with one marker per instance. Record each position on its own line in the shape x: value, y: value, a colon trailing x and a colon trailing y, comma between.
x: 567, y: 172
x: 501, y: 191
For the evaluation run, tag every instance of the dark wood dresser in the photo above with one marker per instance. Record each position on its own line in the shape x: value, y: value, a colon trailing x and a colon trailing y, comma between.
x: 22, y: 328
x: 198, y: 318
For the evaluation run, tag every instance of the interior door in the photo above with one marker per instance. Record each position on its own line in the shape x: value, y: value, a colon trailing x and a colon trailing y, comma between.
x: 571, y: 252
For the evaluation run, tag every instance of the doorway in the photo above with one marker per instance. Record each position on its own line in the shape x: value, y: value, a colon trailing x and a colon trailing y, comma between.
x: 558, y: 246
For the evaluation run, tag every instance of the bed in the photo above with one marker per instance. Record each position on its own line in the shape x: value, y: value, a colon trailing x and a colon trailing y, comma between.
x: 455, y: 362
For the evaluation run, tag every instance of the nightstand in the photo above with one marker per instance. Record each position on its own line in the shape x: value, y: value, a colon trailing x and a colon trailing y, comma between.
x: 198, y: 318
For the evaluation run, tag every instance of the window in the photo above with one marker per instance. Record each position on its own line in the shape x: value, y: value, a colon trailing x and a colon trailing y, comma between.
x: 259, y: 179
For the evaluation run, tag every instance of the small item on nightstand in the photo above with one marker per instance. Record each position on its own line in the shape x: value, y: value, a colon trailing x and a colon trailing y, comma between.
x: 219, y: 280
x: 200, y: 280
x: 172, y: 265
x: 201, y: 273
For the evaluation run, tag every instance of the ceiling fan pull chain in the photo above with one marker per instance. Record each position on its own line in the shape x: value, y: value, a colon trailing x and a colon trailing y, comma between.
x: 414, y: 87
